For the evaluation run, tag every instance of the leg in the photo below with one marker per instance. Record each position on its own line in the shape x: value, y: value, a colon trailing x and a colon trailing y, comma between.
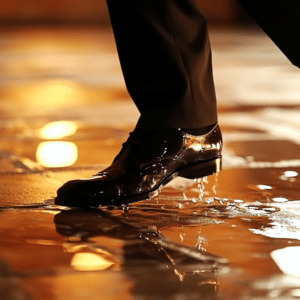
x: 165, y: 56
x: 168, y: 73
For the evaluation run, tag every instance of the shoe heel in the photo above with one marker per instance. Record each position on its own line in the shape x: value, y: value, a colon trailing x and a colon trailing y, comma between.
x: 203, y: 169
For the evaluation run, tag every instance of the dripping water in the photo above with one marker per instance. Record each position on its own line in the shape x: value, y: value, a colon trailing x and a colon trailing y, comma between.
x: 200, y: 184
x: 214, y: 189
x: 184, y: 196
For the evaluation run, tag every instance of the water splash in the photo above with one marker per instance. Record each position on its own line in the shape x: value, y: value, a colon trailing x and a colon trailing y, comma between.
x: 209, y: 201
x: 200, y: 242
x: 155, y: 193
x: 179, y: 205
x: 125, y: 210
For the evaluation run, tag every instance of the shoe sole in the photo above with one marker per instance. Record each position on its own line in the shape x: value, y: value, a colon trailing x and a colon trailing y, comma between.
x: 194, y: 171
x: 202, y: 169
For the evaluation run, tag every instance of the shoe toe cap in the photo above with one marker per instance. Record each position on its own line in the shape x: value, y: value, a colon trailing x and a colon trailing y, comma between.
x: 86, y: 192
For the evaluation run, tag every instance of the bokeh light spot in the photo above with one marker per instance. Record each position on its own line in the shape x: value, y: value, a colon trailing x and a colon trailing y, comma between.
x: 56, y: 154
x: 58, y: 130
x: 90, y: 262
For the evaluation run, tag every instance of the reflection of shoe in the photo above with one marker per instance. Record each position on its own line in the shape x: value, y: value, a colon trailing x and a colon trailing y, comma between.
x: 148, y: 160
x: 91, y: 223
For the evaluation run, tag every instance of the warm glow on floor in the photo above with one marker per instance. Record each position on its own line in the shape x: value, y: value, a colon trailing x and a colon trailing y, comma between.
x: 49, y: 93
x: 56, y: 154
x: 287, y: 260
x: 89, y: 262
x: 58, y: 130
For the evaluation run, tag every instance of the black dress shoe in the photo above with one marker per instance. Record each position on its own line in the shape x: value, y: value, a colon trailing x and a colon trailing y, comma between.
x: 148, y: 160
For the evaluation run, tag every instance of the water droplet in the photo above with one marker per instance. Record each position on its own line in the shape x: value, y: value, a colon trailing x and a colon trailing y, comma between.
x: 291, y: 173
x: 181, y: 237
x: 200, y: 242
x: 125, y: 210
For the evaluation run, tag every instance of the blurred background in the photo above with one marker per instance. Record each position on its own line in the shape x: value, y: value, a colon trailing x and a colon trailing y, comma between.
x: 60, y: 73
x: 95, y: 11
x: 62, y: 89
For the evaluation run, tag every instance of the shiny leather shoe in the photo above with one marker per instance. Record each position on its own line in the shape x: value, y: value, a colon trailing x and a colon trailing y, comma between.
x: 148, y: 160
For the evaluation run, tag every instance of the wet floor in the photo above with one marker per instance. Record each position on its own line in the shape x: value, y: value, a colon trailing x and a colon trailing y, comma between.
x: 235, y: 235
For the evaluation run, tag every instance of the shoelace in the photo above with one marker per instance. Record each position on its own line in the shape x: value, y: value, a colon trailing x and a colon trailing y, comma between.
x: 133, y: 139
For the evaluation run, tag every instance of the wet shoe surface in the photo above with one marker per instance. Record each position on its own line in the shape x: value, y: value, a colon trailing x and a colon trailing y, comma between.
x: 147, y: 162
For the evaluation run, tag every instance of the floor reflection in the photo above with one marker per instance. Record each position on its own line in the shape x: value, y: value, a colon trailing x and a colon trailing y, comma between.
x: 56, y: 154
x: 160, y: 268
x: 65, y: 85
x: 58, y: 130
x: 15, y: 285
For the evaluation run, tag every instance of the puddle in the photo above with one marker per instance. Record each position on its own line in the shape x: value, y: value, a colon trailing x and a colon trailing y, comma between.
x: 215, y: 247
x: 57, y: 144
x: 211, y: 239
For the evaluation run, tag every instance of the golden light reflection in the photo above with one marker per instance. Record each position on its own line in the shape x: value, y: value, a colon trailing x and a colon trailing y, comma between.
x: 264, y: 187
x: 287, y: 260
x: 56, y: 154
x: 280, y: 199
x: 291, y: 173
x: 58, y: 130
x: 90, y: 262
x: 51, y: 93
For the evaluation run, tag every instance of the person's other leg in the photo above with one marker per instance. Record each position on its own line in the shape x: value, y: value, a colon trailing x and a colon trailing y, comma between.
x: 165, y: 56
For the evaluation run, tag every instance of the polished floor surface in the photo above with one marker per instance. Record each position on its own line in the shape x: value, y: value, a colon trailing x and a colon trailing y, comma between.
x: 64, y: 113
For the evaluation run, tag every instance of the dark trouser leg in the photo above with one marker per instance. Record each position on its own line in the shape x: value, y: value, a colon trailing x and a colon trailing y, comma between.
x: 165, y: 56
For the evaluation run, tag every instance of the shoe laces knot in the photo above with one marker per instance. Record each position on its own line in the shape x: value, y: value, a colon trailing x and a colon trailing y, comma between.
x: 133, y: 139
